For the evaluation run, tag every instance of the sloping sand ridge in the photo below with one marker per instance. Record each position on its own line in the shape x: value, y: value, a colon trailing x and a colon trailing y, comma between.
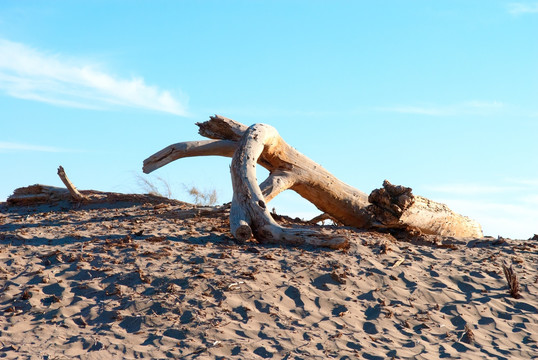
x: 143, y: 277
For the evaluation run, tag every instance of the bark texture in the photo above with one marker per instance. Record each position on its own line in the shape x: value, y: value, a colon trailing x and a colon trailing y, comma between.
x: 390, y: 206
x: 249, y: 209
x: 37, y: 194
x: 395, y: 205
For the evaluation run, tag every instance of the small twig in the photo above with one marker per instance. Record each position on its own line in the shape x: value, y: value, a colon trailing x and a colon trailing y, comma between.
x: 235, y: 284
x: 322, y: 218
x: 511, y: 278
x: 398, y: 262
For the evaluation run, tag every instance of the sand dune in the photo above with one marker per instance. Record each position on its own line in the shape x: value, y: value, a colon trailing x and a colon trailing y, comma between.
x: 139, y: 279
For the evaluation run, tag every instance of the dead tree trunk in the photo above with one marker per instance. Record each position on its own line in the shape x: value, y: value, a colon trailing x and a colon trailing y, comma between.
x: 249, y: 212
x: 391, y: 206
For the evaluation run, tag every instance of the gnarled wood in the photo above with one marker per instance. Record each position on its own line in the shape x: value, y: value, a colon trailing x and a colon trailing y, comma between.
x: 391, y: 206
x: 248, y: 205
x: 288, y: 168
x: 220, y: 127
x: 394, y: 205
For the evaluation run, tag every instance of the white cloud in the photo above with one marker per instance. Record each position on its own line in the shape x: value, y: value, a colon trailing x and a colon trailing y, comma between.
x: 11, y: 146
x: 522, y: 8
x: 473, y: 107
x: 27, y: 73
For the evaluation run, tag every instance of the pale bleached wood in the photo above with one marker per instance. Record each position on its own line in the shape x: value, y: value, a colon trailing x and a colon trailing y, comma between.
x: 289, y: 169
x: 321, y: 218
x: 395, y: 205
x: 75, y: 194
x: 188, y: 149
x: 249, y: 203
x: 240, y: 221
x: 220, y: 127
x: 275, y: 183
x: 299, y: 173
x: 434, y: 218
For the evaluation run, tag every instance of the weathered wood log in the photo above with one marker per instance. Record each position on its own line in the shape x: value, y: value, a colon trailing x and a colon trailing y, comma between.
x: 45, y: 194
x: 37, y: 194
x: 391, y: 206
x: 394, y: 206
x: 75, y: 194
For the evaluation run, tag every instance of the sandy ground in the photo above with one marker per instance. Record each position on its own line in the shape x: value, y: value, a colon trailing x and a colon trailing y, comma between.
x: 142, y: 280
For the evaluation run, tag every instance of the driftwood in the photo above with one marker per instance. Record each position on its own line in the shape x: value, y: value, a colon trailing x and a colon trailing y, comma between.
x: 39, y: 194
x: 45, y: 194
x: 388, y: 207
x: 75, y: 194
x: 249, y: 213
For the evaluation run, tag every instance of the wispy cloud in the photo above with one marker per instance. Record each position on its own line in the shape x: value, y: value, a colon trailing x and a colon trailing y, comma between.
x: 31, y: 74
x: 473, y: 107
x: 523, y: 8
x: 11, y: 146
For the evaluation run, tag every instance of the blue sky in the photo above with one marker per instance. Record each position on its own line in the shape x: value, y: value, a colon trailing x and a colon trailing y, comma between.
x: 440, y: 96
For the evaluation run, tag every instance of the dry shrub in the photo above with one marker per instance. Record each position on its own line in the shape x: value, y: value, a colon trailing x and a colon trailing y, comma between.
x: 157, y: 187
x: 206, y: 198
x: 511, y: 278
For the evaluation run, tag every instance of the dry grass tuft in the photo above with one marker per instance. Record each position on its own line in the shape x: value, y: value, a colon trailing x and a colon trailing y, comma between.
x: 159, y: 187
x: 511, y: 278
x: 468, y: 335
x: 207, y: 198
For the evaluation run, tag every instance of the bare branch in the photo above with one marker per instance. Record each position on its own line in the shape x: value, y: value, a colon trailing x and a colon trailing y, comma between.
x: 75, y: 194
x: 188, y: 149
